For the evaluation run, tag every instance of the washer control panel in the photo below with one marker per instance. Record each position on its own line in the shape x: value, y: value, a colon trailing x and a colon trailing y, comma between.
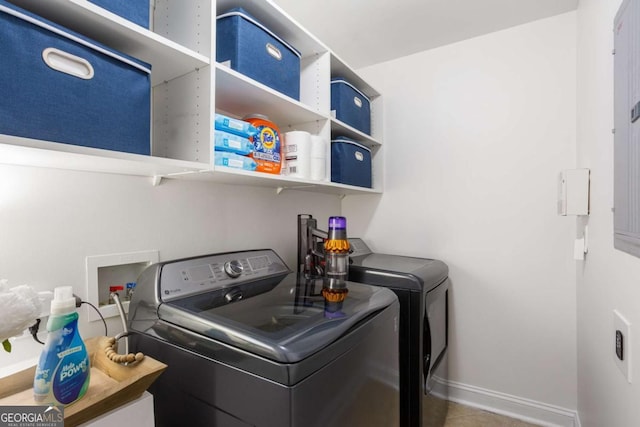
x: 207, y: 273
x: 233, y: 268
x: 358, y: 247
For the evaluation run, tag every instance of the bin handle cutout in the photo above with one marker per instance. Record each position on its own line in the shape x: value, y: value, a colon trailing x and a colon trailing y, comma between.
x: 359, y: 156
x: 357, y: 101
x: 274, y: 51
x: 67, y: 63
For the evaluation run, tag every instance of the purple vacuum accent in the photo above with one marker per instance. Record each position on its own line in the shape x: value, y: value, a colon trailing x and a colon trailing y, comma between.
x: 334, y: 315
x: 337, y: 223
x: 337, y: 228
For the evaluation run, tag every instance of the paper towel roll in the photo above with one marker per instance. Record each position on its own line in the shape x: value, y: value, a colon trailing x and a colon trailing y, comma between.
x: 298, y: 153
x: 318, y: 158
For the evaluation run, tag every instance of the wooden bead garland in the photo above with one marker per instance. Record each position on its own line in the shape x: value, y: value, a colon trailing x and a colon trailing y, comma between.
x: 114, y: 356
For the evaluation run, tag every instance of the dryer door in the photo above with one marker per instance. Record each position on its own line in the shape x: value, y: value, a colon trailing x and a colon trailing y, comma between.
x: 436, y: 329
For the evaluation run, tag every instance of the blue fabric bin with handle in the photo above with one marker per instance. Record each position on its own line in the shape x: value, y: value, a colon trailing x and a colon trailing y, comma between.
x: 253, y: 50
x: 350, y: 162
x: 351, y: 106
x: 59, y: 86
x: 136, y: 11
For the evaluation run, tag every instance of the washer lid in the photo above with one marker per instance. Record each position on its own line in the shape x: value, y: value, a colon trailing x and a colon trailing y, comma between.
x: 285, y: 321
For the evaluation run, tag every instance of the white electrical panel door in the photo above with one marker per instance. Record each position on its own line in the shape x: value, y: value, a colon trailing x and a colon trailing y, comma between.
x: 627, y: 128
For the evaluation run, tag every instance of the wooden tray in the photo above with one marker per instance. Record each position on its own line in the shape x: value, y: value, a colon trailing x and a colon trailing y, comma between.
x: 111, y: 384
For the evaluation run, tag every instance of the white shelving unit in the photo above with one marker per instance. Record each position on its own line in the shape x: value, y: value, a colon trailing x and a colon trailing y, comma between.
x: 189, y: 87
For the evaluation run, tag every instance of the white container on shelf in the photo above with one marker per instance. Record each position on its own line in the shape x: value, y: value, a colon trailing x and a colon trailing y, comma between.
x: 297, y: 148
x: 318, y: 158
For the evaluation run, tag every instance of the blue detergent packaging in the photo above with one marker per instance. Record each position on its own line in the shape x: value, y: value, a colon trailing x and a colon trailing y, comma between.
x: 63, y: 371
x: 231, y: 143
x: 236, y: 161
x: 255, y: 51
x: 234, y: 126
x: 60, y: 86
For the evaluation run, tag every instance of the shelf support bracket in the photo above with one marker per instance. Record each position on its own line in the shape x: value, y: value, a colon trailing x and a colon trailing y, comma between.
x: 280, y: 190
x: 155, y: 180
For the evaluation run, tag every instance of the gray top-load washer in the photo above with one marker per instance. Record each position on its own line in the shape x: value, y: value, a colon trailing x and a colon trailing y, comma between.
x: 247, y: 342
x: 422, y: 286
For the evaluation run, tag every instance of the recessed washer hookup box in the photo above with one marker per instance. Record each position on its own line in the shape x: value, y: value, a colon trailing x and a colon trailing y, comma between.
x: 136, y: 11
x: 350, y: 162
x: 59, y: 86
x: 255, y: 51
x: 351, y: 106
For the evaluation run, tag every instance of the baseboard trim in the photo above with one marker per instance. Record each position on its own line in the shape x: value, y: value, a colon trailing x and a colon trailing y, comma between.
x: 501, y: 403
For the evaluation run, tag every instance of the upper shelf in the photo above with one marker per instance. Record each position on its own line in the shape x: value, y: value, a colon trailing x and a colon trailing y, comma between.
x: 240, y: 95
x: 31, y: 152
x: 280, y: 182
x: 273, y: 17
x: 339, y: 128
x: 35, y: 153
x: 340, y: 69
x: 167, y: 58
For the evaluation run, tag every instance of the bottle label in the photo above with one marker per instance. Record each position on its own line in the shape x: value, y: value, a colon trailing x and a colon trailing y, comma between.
x: 266, y: 146
x: 62, y: 374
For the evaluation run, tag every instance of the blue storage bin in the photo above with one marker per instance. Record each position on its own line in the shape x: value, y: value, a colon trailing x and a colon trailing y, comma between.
x: 136, y: 11
x: 350, y: 162
x: 59, y: 86
x: 351, y: 106
x: 256, y: 52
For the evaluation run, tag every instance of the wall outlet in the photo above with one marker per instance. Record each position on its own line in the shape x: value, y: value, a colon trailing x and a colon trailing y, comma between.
x: 622, y: 344
x: 619, y: 345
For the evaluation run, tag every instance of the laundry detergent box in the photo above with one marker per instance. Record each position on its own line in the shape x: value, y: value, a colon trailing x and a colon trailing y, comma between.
x: 57, y: 85
x: 255, y: 51
x: 136, y: 11
x: 351, y: 106
x: 225, y: 141
x: 350, y: 162
x: 235, y: 161
x: 238, y: 127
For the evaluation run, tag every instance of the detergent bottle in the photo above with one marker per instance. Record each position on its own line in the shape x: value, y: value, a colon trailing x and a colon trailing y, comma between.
x: 62, y: 374
x: 267, y: 144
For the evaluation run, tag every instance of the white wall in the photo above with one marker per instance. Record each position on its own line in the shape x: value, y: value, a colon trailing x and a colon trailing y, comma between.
x: 50, y: 220
x: 608, y: 279
x: 475, y: 136
x: 476, y: 133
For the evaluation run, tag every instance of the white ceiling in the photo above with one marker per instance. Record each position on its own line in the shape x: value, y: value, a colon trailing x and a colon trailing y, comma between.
x: 366, y: 32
